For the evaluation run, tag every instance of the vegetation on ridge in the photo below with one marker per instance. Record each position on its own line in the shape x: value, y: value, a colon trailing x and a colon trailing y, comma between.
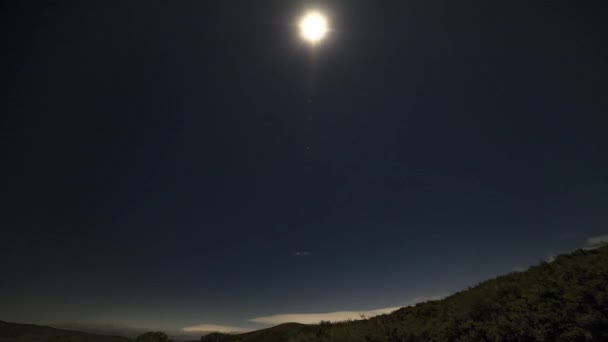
x: 562, y: 300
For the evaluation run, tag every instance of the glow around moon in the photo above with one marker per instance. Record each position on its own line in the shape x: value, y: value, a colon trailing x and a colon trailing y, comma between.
x: 313, y: 27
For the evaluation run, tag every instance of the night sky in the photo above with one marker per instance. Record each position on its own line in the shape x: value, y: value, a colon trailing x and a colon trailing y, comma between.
x: 176, y: 163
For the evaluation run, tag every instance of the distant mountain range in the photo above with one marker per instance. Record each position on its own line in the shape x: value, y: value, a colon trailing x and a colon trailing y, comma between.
x: 565, y: 299
x: 103, y: 329
x: 14, y: 332
x: 79, y: 332
x: 125, y: 330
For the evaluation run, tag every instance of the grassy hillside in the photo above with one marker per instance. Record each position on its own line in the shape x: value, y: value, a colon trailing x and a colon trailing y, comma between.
x: 565, y: 300
x: 13, y: 332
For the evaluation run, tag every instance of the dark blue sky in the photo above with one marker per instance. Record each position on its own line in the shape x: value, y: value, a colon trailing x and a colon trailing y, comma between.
x: 164, y: 162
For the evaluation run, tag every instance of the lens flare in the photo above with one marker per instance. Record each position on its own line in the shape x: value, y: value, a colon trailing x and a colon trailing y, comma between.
x: 313, y: 27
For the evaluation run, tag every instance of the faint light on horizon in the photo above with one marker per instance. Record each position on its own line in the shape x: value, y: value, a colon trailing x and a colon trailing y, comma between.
x: 208, y: 328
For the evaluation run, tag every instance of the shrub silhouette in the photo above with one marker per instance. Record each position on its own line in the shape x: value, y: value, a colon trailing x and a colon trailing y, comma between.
x: 153, y: 336
x: 219, y: 337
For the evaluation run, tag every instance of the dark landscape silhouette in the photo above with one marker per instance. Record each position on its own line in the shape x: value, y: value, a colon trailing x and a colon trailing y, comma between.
x: 564, y: 299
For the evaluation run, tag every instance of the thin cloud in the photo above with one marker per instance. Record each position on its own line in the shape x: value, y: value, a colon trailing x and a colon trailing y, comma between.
x: 209, y: 328
x: 596, y: 241
x: 314, y: 318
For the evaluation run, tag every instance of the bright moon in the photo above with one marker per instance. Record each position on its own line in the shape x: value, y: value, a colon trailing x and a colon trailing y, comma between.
x: 313, y: 27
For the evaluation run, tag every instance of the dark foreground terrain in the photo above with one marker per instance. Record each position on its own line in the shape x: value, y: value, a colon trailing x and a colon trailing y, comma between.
x: 562, y: 300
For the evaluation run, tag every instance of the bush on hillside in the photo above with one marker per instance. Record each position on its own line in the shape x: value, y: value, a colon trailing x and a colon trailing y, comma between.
x: 219, y: 337
x: 153, y: 336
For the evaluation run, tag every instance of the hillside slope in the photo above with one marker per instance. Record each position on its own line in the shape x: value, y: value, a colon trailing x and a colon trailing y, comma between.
x: 14, y: 332
x: 564, y: 300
